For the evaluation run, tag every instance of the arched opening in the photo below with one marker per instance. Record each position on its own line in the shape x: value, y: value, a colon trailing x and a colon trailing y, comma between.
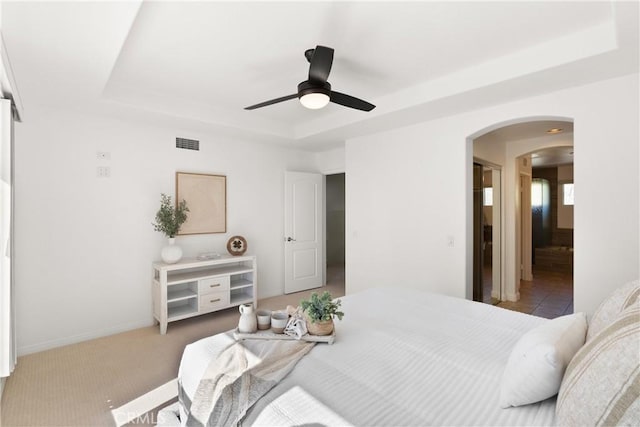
x: 507, y: 150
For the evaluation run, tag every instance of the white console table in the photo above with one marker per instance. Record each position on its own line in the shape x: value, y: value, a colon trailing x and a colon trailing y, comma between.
x: 192, y: 287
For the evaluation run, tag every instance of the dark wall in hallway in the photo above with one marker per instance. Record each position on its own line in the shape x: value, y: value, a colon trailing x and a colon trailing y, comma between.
x: 559, y: 236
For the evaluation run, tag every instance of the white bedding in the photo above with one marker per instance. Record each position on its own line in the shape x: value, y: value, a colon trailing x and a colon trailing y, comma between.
x: 401, y: 357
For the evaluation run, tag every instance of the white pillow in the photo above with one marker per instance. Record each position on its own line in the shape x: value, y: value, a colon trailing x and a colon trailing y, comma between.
x: 537, y: 362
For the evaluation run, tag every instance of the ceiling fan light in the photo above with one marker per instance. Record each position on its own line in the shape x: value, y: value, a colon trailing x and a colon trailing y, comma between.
x: 314, y: 101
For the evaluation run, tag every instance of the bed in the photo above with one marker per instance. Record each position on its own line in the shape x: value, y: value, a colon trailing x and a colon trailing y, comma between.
x: 401, y: 357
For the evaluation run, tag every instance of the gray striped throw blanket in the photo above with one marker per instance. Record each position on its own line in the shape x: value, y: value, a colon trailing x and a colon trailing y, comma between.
x: 240, y: 375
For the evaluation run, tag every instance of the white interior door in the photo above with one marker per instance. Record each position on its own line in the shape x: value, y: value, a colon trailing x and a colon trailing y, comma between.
x: 303, y: 246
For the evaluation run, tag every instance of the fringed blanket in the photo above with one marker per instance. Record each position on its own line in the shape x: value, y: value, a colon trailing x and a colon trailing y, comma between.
x: 234, y: 380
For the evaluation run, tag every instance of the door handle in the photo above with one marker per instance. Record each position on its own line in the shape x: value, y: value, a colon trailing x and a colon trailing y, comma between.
x: 289, y: 239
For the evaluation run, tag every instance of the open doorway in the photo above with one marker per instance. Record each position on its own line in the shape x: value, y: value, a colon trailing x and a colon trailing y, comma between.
x: 551, y: 281
x: 510, y: 146
x: 335, y: 232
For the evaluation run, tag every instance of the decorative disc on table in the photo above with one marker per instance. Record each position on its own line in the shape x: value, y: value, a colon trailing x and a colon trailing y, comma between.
x: 237, y: 245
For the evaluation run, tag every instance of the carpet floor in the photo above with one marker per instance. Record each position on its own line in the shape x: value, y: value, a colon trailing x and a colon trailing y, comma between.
x: 80, y: 384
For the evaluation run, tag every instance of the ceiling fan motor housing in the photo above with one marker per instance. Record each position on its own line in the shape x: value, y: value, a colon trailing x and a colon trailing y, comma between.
x: 316, y: 93
x: 307, y: 87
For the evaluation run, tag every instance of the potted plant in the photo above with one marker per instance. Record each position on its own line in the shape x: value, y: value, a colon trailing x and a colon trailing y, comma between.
x: 319, y: 312
x: 169, y: 219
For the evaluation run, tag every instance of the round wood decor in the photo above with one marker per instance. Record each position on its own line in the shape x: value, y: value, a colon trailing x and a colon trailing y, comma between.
x: 237, y: 245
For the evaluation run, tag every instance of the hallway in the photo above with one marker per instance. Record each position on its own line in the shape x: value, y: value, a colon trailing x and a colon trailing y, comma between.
x: 549, y: 295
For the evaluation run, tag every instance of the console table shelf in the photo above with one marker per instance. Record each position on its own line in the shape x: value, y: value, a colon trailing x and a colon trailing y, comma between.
x: 240, y: 283
x: 193, y: 287
x: 181, y: 294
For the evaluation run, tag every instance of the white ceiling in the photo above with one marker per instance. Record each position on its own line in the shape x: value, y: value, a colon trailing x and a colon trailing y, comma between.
x: 195, y: 65
x: 530, y: 130
x: 553, y: 156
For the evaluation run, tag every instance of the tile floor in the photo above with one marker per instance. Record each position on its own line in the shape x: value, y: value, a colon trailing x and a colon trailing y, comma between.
x: 549, y: 294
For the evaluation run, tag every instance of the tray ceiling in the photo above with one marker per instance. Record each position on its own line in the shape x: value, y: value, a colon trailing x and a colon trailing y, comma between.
x: 195, y: 65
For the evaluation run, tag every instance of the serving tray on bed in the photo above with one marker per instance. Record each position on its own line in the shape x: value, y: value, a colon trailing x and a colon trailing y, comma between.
x: 268, y: 335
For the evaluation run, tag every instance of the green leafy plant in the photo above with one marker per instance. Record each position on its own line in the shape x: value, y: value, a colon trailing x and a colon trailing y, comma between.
x: 169, y: 219
x: 321, y: 308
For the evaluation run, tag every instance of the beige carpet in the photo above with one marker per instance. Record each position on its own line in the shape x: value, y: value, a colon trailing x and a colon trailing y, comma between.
x: 79, y: 384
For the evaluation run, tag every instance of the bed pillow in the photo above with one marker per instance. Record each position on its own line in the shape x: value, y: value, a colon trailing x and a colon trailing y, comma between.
x: 602, y: 383
x: 537, y: 362
x: 611, y: 307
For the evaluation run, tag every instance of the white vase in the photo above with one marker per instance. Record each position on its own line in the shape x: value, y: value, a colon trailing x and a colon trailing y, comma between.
x: 248, y: 322
x: 172, y: 252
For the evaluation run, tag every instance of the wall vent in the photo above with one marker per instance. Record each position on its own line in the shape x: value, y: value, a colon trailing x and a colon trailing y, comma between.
x: 188, y: 144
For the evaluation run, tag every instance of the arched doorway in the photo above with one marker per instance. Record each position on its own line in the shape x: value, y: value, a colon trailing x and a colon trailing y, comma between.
x: 503, y: 144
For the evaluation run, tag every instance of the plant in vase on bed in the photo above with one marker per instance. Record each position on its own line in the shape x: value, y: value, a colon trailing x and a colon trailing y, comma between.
x: 319, y: 313
x: 169, y: 219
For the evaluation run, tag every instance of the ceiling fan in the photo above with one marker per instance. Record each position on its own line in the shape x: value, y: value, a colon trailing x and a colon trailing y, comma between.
x: 316, y: 92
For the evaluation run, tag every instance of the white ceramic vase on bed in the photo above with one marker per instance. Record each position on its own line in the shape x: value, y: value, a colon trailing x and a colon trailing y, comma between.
x: 172, y: 252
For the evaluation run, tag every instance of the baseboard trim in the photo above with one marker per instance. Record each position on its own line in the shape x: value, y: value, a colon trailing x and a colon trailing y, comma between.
x: 74, y: 339
x: 513, y: 297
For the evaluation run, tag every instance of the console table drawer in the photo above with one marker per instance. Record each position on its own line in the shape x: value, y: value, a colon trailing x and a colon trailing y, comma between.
x: 213, y: 284
x: 214, y: 301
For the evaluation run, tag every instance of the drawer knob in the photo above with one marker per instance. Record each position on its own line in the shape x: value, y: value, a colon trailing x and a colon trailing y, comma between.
x: 215, y: 300
x: 214, y: 286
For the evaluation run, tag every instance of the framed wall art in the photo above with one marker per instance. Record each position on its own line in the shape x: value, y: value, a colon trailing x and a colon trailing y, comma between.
x: 206, y: 197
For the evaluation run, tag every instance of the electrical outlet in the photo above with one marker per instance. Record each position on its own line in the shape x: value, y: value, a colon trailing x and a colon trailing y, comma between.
x: 103, y: 155
x: 103, y: 171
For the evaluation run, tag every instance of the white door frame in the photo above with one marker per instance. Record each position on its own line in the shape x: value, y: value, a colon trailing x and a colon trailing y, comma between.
x: 326, y: 172
x: 524, y: 272
x: 498, y: 254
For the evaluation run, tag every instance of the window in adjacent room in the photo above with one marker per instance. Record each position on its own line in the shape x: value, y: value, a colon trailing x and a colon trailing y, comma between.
x: 488, y: 196
x: 567, y: 194
x: 536, y: 193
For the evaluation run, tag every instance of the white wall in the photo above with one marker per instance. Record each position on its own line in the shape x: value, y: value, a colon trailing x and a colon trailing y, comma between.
x: 2, y: 380
x: 331, y: 161
x: 408, y: 190
x: 490, y: 150
x: 401, y: 207
x: 84, y: 245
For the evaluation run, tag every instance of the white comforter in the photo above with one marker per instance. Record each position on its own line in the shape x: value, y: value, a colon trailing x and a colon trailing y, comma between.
x: 401, y: 357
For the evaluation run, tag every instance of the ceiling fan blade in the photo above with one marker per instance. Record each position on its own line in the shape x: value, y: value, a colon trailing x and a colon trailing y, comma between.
x: 273, y: 101
x: 351, y: 101
x: 320, y: 64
